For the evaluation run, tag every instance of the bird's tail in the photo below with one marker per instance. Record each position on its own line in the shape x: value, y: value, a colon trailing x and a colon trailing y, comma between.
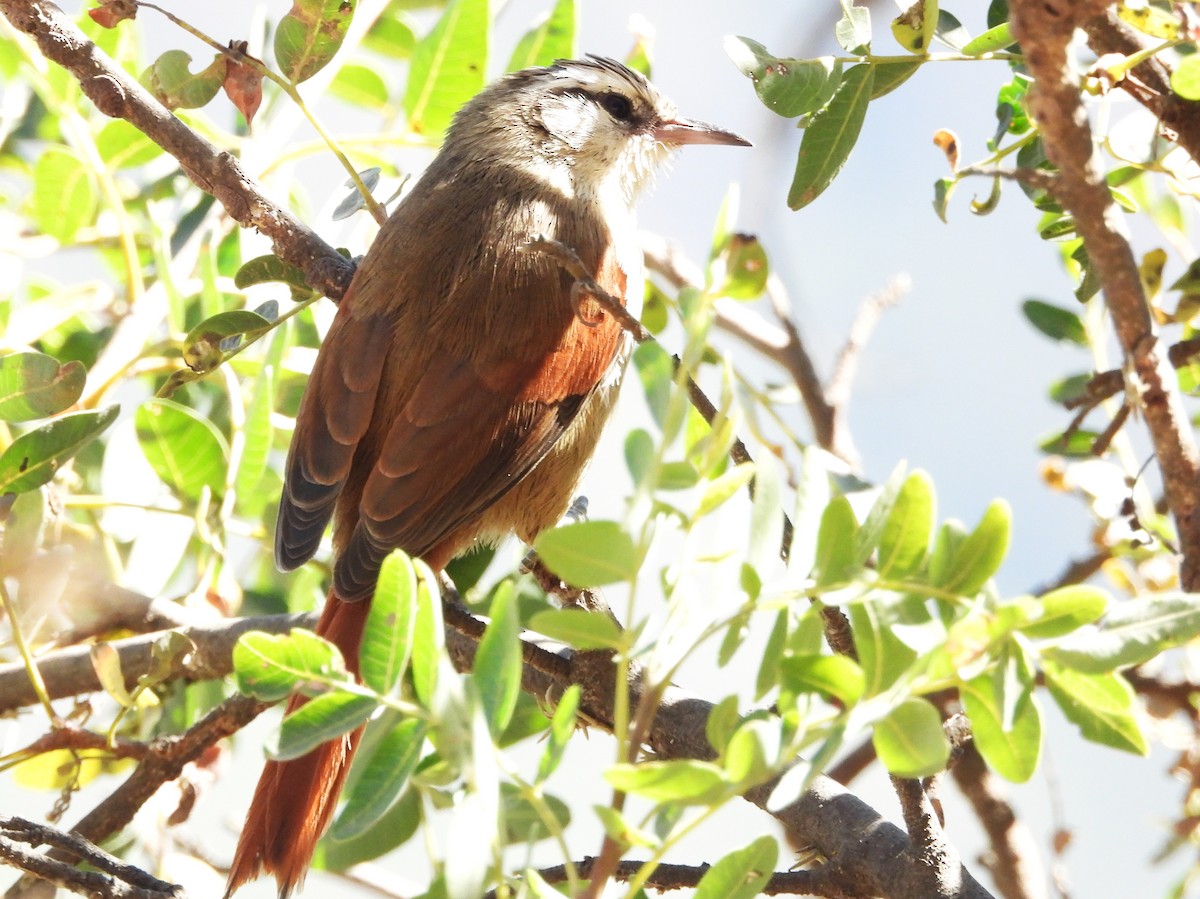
x: 295, y: 800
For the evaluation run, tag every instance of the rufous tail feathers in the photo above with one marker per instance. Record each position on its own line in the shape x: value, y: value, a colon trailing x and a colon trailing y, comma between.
x: 295, y: 800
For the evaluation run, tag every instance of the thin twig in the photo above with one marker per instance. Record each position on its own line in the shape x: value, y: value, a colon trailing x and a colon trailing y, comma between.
x: 113, y: 879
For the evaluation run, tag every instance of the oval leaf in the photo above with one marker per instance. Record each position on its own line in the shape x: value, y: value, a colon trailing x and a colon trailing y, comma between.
x: 34, y: 385
x: 578, y: 628
x: 553, y: 38
x: 831, y: 135
x: 789, y: 87
x: 273, y: 666
x: 741, y: 874
x: 910, y: 741
x: 685, y: 781
x: 319, y: 720
x: 497, y: 670
x: 184, y: 449
x: 33, y: 458
x: 589, y: 553
x: 64, y: 198
x: 979, y: 555
x: 387, y: 637
x: 447, y: 67
x: 309, y: 36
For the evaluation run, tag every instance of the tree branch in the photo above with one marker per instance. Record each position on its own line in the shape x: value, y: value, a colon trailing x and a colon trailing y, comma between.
x: 114, y: 879
x: 214, y: 171
x: 69, y: 672
x: 1014, y: 860
x: 1044, y: 29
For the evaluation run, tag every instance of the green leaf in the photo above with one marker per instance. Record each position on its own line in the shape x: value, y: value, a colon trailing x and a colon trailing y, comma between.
x: 552, y: 38
x: 106, y: 662
x: 384, y: 775
x: 766, y: 516
x: 307, y: 38
x: 360, y: 86
x: 685, y: 781
x: 1185, y: 80
x: 523, y: 821
x: 497, y: 671
x: 447, y: 67
x: 744, y: 263
x: 271, y: 667
x: 257, y: 434
x: 589, y: 553
x: 391, y: 619
x: 891, y: 74
x: 176, y: 87
x: 578, y: 628
x: 1100, y: 705
x: 562, y: 727
x: 978, y: 557
x: 741, y: 874
x: 838, y: 676
x: 656, y: 372
x: 34, y: 385
x: 720, y: 489
x: 122, y: 146
x: 639, y: 454
x: 835, y: 543
x: 1055, y: 322
x: 914, y: 28
x: 910, y: 741
x: 33, y: 458
x: 677, y: 476
x: 788, y: 87
x: 184, y: 449
x: 1066, y: 610
x: 904, y: 543
x: 1005, y: 719
x: 266, y: 269
x: 202, y: 349
x: 64, y: 197
x: 830, y: 136
x: 943, y: 189
x: 772, y: 653
x: 853, y: 30
x: 429, y: 637
x: 884, y: 658
x: 867, y: 537
x: 397, y: 826
x: 319, y: 720
x: 990, y: 41
x: 390, y: 35
x: 1133, y: 632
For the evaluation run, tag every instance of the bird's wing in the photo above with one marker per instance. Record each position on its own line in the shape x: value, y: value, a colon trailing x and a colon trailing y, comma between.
x: 335, y: 412
x: 471, y: 429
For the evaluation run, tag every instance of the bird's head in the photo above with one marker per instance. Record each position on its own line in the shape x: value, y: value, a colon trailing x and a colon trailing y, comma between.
x: 583, y: 124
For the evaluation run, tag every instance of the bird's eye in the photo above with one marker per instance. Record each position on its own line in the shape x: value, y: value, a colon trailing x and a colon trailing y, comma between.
x: 617, y: 106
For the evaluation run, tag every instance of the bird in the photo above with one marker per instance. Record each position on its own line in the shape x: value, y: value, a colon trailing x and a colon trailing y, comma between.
x: 462, y: 386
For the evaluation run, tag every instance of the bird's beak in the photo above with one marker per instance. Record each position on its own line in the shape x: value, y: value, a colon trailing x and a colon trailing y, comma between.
x: 690, y: 131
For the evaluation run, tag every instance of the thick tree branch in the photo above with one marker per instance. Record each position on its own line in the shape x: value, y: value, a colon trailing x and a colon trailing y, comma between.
x: 69, y: 672
x: 214, y: 171
x: 1045, y: 29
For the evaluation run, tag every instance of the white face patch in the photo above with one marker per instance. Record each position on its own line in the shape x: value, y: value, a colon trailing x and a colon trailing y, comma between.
x: 569, y: 118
